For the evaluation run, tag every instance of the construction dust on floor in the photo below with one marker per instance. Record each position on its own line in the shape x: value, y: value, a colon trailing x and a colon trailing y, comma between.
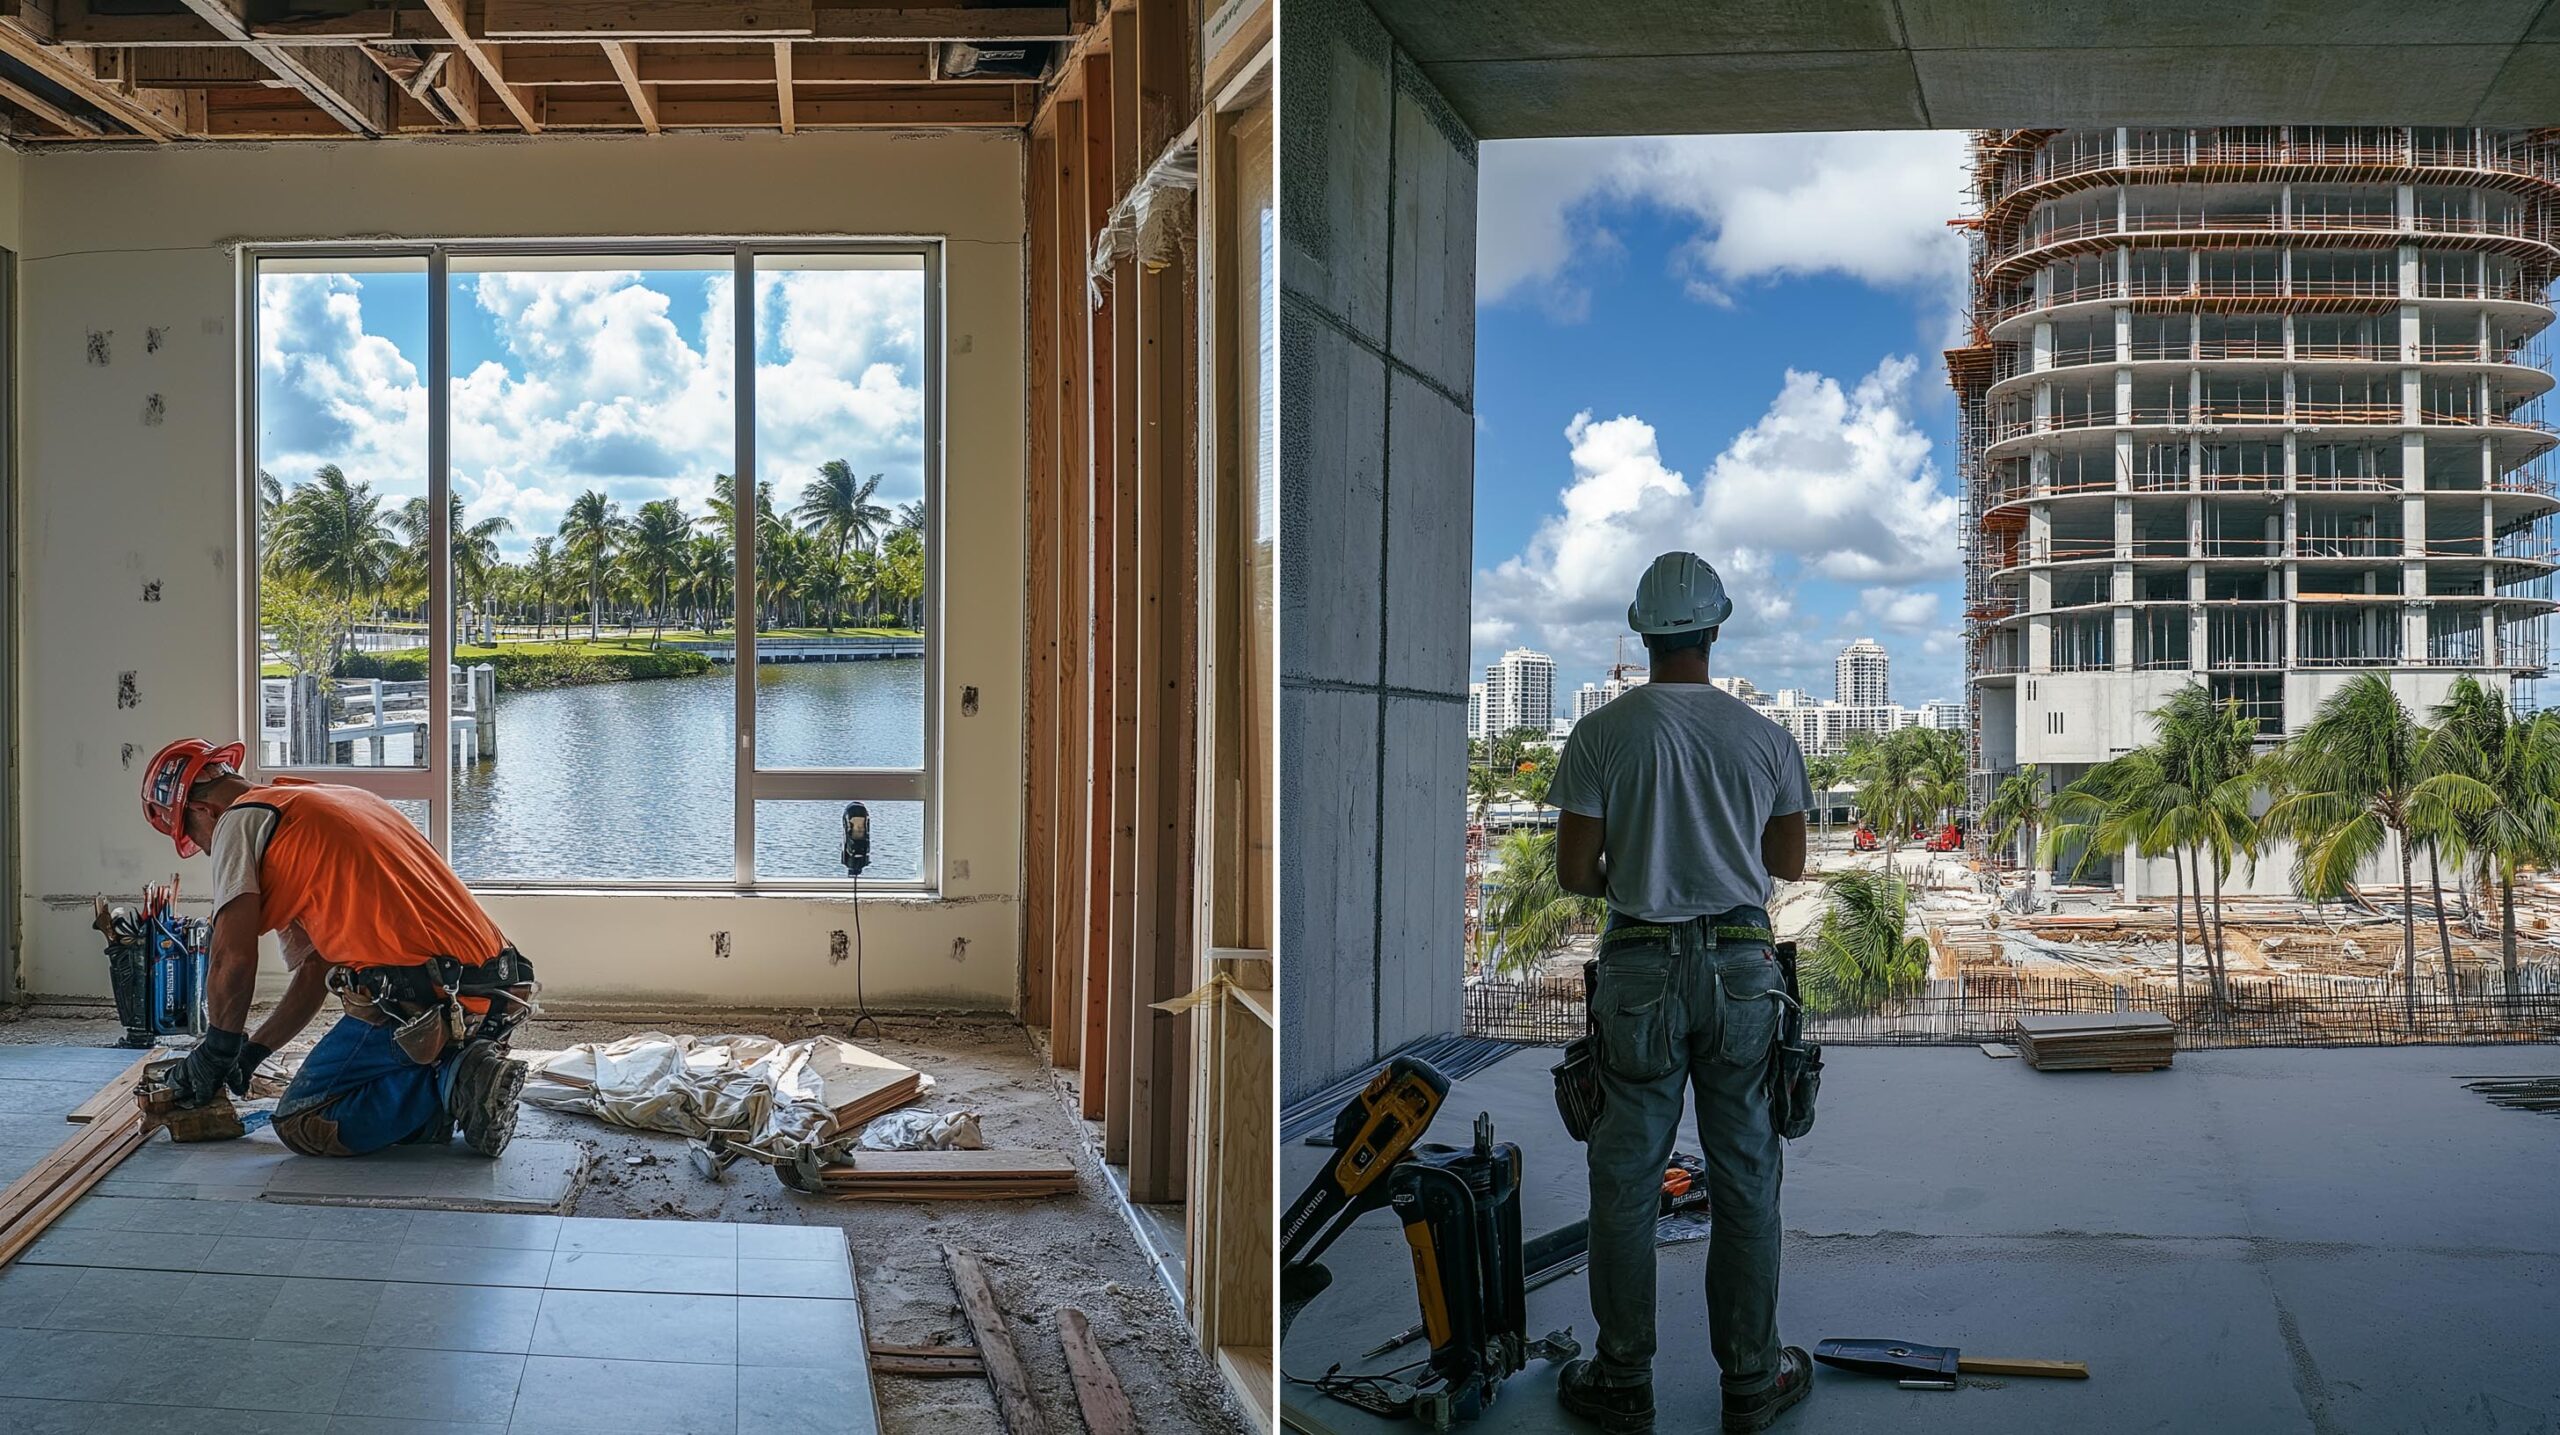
x: 1041, y: 1255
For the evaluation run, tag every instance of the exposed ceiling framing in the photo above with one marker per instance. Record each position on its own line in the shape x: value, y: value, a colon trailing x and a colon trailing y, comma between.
x: 168, y: 71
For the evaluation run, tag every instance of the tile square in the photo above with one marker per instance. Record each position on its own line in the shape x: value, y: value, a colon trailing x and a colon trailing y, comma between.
x: 256, y: 1255
x: 327, y: 1312
x: 109, y: 1299
x: 129, y: 1250
x: 90, y: 1213
x: 345, y: 1260
x: 321, y: 1223
x: 614, y: 1271
x: 384, y: 1425
x: 455, y: 1317
x: 105, y: 1365
x: 824, y: 1279
x: 648, y: 1238
x: 29, y: 1293
x: 791, y: 1243
x: 275, y: 1375
x: 821, y: 1400
x: 638, y: 1325
x: 152, y: 1213
x: 460, y: 1385
x: 470, y: 1266
x: 483, y: 1228
x: 799, y: 1332
x: 629, y: 1397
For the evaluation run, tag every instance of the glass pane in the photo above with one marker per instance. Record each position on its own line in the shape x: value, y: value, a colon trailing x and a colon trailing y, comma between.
x: 415, y: 809
x: 341, y: 491
x: 806, y: 839
x: 840, y: 455
x: 592, y: 442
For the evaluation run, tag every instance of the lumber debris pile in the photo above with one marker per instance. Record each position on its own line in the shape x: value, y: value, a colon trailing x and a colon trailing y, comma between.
x: 2097, y: 1041
x: 937, y: 1176
x: 116, y: 1128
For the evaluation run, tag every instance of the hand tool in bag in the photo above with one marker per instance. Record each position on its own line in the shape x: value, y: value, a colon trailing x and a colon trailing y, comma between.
x: 1933, y: 1367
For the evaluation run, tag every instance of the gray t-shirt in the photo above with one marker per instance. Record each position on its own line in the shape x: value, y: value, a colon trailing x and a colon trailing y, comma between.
x: 1683, y: 777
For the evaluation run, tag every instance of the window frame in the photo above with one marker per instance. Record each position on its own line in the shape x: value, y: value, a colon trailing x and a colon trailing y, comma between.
x: 750, y: 784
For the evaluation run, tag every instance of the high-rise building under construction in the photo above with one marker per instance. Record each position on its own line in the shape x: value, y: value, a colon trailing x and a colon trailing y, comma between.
x: 2257, y: 407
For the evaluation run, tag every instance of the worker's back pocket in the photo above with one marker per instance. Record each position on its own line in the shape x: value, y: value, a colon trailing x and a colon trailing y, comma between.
x: 1638, y: 1013
x: 1752, y: 988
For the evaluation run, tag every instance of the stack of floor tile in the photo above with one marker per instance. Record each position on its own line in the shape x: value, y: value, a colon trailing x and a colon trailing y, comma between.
x: 2097, y: 1041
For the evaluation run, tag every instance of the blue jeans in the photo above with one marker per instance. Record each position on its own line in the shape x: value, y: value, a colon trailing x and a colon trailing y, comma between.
x: 1677, y: 1014
x: 358, y: 1092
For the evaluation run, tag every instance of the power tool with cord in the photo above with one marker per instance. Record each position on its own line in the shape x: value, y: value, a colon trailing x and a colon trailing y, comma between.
x: 1460, y: 1209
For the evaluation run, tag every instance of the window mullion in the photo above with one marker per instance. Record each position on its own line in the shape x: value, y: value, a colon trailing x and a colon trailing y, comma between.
x: 439, y: 735
x: 745, y: 511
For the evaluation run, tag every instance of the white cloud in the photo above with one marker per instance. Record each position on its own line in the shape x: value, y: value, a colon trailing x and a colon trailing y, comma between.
x: 1872, y: 207
x: 601, y: 384
x: 1829, y: 485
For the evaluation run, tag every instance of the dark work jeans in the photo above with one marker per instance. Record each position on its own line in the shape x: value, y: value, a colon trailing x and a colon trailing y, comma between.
x: 358, y: 1092
x: 1680, y: 1015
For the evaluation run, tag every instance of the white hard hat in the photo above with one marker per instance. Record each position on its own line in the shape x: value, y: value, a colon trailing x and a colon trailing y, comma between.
x: 1680, y: 593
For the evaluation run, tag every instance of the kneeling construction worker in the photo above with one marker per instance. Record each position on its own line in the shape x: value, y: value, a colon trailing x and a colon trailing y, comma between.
x: 365, y: 909
x: 1678, y: 804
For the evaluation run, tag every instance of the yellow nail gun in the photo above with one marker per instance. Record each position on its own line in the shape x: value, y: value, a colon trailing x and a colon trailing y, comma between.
x: 157, y: 1095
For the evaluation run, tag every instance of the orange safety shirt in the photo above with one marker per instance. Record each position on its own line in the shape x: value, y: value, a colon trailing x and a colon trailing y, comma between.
x: 362, y: 881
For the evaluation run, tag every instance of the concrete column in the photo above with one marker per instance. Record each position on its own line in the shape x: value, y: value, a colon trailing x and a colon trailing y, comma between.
x: 2124, y: 462
x: 2408, y: 271
x: 2124, y: 336
x: 2409, y: 396
x: 2411, y: 329
x: 2040, y: 345
x: 2408, y: 206
x: 484, y: 707
x: 2124, y: 396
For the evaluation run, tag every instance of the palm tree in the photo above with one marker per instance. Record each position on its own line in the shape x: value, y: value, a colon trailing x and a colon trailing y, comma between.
x: 2019, y: 806
x: 708, y: 571
x: 1527, y: 912
x: 2494, y: 790
x: 473, y: 546
x: 1862, y: 951
x: 270, y: 499
x: 2128, y: 804
x: 1822, y: 774
x: 334, y: 532
x: 837, y: 506
x: 589, y: 531
x: 2209, y: 754
x: 655, y: 547
x: 542, y: 574
x: 2345, y: 783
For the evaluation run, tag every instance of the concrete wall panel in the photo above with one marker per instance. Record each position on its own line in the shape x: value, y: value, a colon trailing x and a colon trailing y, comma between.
x: 1653, y: 94
x: 1433, y: 283
x: 1496, y: 29
x: 1333, y: 459
x: 132, y: 239
x: 1422, y: 890
x: 1329, y: 863
x: 1334, y: 153
x: 1430, y: 538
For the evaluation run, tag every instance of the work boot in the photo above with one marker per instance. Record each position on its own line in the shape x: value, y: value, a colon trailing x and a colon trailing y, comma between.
x: 486, y: 1083
x: 437, y: 1132
x: 1618, y: 1409
x: 1746, y: 1413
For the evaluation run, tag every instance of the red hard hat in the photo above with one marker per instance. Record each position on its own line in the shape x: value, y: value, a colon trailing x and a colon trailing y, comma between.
x: 172, y: 775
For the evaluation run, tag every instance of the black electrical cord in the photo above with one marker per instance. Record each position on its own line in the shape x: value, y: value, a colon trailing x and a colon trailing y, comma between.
x: 861, y: 1007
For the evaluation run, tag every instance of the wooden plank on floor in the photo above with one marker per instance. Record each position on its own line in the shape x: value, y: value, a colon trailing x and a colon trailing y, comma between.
x: 1075, y: 592
x: 927, y: 1362
x: 1012, y: 1385
x: 1040, y: 589
x: 114, y: 1094
x: 1098, y: 1393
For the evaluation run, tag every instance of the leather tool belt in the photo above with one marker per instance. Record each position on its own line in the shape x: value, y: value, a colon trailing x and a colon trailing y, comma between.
x: 424, y: 1002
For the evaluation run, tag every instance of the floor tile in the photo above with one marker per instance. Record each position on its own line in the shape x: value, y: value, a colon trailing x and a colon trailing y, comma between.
x: 531, y: 1175
x: 613, y: 1271
x: 322, y: 1223
x: 82, y: 1417
x: 104, y: 1365
x: 255, y: 1255
x: 142, y: 1213
x: 455, y: 1317
x: 828, y: 1279
x: 383, y: 1425
x: 149, y: 1303
x: 328, y: 1312
x: 345, y: 1260
x: 628, y: 1397
x: 28, y: 1293
x: 799, y: 1332
x: 809, y: 1400
x: 637, y: 1325
x: 483, y: 1228
x: 278, y: 1375
x: 791, y: 1243
x: 648, y: 1238
x: 462, y: 1385
x: 470, y: 1265
x: 130, y: 1250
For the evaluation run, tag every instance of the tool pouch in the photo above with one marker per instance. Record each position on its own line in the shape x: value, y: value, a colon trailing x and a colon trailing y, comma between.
x: 423, y: 1037
x: 1579, y: 1096
x: 1795, y: 1064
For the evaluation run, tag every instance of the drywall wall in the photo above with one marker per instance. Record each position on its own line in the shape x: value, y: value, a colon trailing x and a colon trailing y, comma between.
x: 129, y: 240
x: 10, y: 179
x: 1377, y: 488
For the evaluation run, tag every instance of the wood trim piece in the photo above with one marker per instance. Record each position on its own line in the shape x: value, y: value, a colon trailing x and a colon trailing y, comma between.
x: 1012, y: 1385
x: 155, y: 114
x: 783, y: 80
x: 484, y: 58
x: 632, y: 20
x: 644, y: 99
x: 1100, y: 513
x: 1131, y: 929
x: 1040, y: 591
x: 1075, y: 591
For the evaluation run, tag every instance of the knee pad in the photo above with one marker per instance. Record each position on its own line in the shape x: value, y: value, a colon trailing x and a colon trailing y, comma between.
x: 311, y: 1132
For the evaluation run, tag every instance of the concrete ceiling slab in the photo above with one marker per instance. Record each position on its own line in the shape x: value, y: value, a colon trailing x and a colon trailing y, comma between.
x: 2527, y: 90
x: 1434, y: 30
x: 2444, y: 84
x: 1684, y: 94
x: 2063, y: 24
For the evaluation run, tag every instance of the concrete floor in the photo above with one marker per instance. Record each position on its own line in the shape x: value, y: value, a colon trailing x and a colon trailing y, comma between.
x: 2314, y: 1240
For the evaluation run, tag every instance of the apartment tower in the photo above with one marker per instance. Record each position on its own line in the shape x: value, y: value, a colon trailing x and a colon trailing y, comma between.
x: 2257, y: 407
x: 1863, y: 675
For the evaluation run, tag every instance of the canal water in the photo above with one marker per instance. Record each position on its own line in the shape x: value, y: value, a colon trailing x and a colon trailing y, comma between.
x: 633, y: 780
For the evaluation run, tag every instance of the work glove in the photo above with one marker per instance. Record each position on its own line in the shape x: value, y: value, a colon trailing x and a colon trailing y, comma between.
x: 252, y: 1056
x: 207, y: 1068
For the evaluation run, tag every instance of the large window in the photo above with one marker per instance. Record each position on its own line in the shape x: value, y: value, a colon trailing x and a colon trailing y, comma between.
x: 582, y: 690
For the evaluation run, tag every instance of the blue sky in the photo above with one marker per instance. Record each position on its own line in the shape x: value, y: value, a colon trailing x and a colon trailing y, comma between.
x: 1728, y: 343
x: 611, y: 379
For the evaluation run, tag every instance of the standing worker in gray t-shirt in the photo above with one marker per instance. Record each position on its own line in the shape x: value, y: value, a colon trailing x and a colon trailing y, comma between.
x: 1678, y: 804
